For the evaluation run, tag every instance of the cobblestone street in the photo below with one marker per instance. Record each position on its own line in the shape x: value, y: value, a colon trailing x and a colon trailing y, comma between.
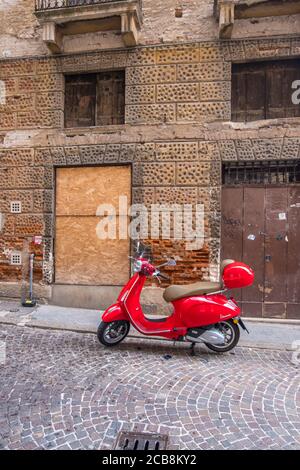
x: 62, y: 390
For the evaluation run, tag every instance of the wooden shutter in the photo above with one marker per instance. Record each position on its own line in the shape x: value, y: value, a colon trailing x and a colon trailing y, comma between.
x: 80, y: 100
x: 255, y: 95
x: 263, y: 90
x: 110, y: 98
x: 238, y: 94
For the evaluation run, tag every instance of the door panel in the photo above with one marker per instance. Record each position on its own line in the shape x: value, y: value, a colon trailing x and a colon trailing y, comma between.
x: 232, y: 225
x: 253, y: 243
x: 261, y: 227
x: 293, y: 237
x: 275, y: 245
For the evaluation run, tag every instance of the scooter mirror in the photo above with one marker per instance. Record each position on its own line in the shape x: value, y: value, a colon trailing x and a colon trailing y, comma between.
x: 171, y: 262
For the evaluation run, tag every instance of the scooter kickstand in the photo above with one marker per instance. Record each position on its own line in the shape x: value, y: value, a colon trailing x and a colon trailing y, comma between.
x: 192, y: 348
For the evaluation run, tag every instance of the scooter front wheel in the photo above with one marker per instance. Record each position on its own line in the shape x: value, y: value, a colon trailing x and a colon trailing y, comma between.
x: 111, y: 334
x: 231, y: 334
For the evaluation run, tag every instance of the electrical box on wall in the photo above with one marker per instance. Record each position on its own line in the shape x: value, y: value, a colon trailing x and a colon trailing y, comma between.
x: 15, y: 207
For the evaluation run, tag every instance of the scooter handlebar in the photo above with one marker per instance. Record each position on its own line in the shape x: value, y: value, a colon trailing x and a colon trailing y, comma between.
x: 163, y: 276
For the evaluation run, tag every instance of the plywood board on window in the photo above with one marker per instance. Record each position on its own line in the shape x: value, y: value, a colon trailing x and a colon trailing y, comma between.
x: 81, y: 257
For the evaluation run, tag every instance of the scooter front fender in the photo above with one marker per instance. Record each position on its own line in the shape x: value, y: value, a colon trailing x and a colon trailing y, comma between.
x: 115, y: 312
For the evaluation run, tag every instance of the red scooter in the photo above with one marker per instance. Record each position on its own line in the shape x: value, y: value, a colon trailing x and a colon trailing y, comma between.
x: 202, y: 313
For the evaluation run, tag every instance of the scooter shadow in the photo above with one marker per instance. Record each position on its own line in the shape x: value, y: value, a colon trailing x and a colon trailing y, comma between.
x: 168, y: 349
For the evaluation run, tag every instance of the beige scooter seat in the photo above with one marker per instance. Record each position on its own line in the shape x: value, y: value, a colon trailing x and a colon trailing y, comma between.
x: 175, y: 292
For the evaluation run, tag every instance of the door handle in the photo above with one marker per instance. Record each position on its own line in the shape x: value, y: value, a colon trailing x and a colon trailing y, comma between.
x: 268, y: 258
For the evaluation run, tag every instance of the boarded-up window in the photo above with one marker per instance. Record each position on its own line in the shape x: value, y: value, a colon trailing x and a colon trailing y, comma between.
x: 95, y: 99
x: 263, y: 90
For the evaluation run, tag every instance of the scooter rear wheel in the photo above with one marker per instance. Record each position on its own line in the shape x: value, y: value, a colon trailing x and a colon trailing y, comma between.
x: 231, y: 332
x: 111, y: 334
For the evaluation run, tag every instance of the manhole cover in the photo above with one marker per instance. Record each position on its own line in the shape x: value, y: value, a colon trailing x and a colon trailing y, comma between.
x: 140, y: 441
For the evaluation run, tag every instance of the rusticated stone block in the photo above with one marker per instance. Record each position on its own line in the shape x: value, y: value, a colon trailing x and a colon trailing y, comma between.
x: 42, y: 156
x: 13, y: 68
x: 73, y: 155
x: 49, y: 226
x: 47, y: 83
x: 144, y: 196
x: 176, y: 151
x: 58, y: 155
x: 291, y: 148
x: 177, y: 92
x: 7, y: 179
x: 29, y: 224
x: 233, y: 50
x: 174, y: 195
x: 42, y: 200
x: 11, y: 85
x: 26, y: 85
x: 215, y: 198
x: 204, y: 71
x: 193, y: 173
x: 153, y: 174
x: 92, y: 153
x: 267, y: 48
x: 8, y: 227
x: 178, y: 54
x: 150, y: 114
x: 48, y: 65
x: 295, y: 46
x: 206, y: 111
x: 48, y: 177
x: 215, y: 173
x: 127, y: 153
x: 112, y: 153
x: 244, y: 149
x: 145, y: 152
x: 16, y: 157
x: 215, y: 225
x: 29, y: 177
x: 140, y: 94
x: 145, y: 56
x: 41, y: 118
x: 17, y: 103
x: 210, y: 52
x: 53, y: 100
x: 211, y: 91
x: 76, y: 63
x: 24, y: 196
x: 209, y: 150
x: 227, y: 150
x: 150, y: 75
x: 103, y: 60
x: 265, y: 149
x: 8, y: 121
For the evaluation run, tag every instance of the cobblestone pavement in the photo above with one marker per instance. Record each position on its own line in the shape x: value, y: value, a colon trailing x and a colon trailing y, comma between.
x: 62, y: 390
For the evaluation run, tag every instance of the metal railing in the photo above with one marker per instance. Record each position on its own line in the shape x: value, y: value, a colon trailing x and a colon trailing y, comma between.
x: 41, y: 5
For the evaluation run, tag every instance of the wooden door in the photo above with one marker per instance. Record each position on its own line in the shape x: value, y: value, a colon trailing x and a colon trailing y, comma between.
x: 80, y: 256
x: 264, y: 232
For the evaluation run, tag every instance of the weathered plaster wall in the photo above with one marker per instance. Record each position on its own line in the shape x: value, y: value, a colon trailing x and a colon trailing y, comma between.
x: 20, y: 33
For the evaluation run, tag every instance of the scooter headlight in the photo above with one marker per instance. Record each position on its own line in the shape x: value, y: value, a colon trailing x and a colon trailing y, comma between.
x: 137, y: 267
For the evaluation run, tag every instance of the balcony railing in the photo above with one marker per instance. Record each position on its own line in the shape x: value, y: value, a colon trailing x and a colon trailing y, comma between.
x: 41, y: 5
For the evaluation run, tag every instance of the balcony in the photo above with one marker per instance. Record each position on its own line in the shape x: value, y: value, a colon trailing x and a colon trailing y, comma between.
x: 60, y: 18
x: 228, y: 11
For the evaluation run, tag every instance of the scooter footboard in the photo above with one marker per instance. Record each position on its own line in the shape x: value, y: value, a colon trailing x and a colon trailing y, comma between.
x: 114, y: 312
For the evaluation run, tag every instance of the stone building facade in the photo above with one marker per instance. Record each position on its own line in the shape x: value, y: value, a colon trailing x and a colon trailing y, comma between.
x: 177, y: 132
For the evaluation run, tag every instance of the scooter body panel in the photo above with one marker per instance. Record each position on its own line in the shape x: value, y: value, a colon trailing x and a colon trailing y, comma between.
x: 205, y: 310
x: 115, y: 312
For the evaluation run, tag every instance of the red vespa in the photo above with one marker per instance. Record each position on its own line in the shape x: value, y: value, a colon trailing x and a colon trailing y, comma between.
x: 202, y: 313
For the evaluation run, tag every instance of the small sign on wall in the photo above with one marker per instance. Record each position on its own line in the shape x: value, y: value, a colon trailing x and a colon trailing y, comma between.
x: 37, y: 239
